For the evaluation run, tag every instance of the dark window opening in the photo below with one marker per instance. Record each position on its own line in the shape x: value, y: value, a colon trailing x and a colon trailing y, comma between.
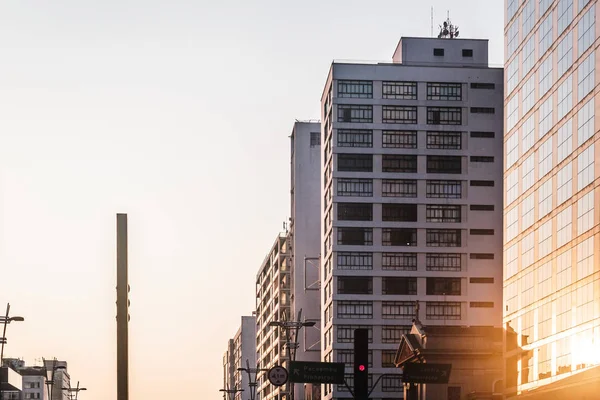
x: 399, y: 212
x: 483, y: 110
x: 481, y: 280
x: 444, y: 164
x: 355, y: 285
x: 438, y: 52
x: 315, y: 139
x: 481, y: 231
x: 355, y: 236
x: 443, y: 213
x: 355, y: 211
x: 444, y: 116
x: 481, y: 256
x: 482, y: 85
x: 443, y: 237
x: 443, y: 286
x: 467, y: 53
x: 482, y: 183
x: 487, y: 159
x: 481, y: 207
x: 399, y: 237
x: 481, y: 134
x: 398, y: 163
x: 355, y: 162
x: 399, y: 285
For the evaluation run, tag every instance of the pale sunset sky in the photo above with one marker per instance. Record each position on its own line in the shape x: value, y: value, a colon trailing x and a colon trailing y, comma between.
x: 177, y: 113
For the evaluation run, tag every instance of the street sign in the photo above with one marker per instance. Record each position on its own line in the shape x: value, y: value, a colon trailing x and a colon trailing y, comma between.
x: 426, y: 373
x: 316, y: 372
x: 278, y: 375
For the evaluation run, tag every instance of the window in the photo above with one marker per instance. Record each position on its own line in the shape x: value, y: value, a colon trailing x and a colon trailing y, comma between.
x: 512, y: 185
x: 347, y: 356
x: 355, y: 89
x: 444, y: 140
x: 467, y: 53
x: 585, y: 258
x: 527, y: 95
x: 527, y: 56
x: 345, y: 333
x: 481, y: 256
x: 565, y: 140
x: 545, y: 75
x: 444, y: 164
x: 512, y: 74
x: 527, y: 245
x: 355, y: 187
x: 565, y: 15
x: 399, y: 139
x: 586, y: 30
x: 355, y: 309
x: 482, y: 85
x: 511, y: 9
x: 387, y: 359
x: 585, y: 167
x: 398, y: 163
x: 482, y: 159
x: 585, y: 76
x: 393, y: 333
x: 528, y: 17
x: 444, y: 91
x: 564, y: 184
x: 355, y: 236
x: 545, y: 34
x: 545, y: 117
x: 512, y: 38
x: 481, y: 232
x: 483, y: 110
x: 438, y: 52
x: 443, y: 213
x: 585, y: 122
x: 399, y: 114
x: 564, y: 220
x: 479, y: 134
x: 545, y: 239
x: 443, y: 310
x: 527, y: 214
x: 481, y: 207
x: 399, y: 285
x: 582, y: 4
x: 355, y: 285
x: 545, y: 158
x: 444, y: 115
x: 512, y: 224
x: 512, y: 149
x: 397, y: 309
x: 585, y: 213
x: 443, y: 262
x: 354, y: 138
x: 399, y: 237
x: 399, y: 90
x: 444, y: 189
x: 355, y: 113
x: 391, y: 384
x: 565, y: 54
x: 354, y: 260
x: 563, y: 270
x: 544, y: 6
x: 399, y: 212
x: 565, y: 97
x: 398, y: 188
x: 355, y: 162
x: 481, y: 304
x: 512, y: 112
x: 481, y: 280
x: 355, y: 211
x: 528, y: 129
x: 443, y: 238
x: 399, y: 261
x: 315, y: 139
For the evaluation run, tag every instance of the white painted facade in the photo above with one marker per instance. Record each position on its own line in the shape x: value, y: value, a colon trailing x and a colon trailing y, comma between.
x: 412, y: 199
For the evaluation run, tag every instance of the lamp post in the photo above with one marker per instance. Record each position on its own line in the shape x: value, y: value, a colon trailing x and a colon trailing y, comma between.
x: 252, y: 379
x: 51, y: 376
x: 73, y: 390
x: 230, y: 392
x: 290, y: 329
x: 7, y: 319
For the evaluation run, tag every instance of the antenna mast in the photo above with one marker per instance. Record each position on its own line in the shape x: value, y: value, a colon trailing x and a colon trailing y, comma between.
x: 431, y: 21
x: 448, y: 30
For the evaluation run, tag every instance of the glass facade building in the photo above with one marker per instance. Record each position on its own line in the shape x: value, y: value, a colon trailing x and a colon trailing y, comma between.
x: 551, y: 242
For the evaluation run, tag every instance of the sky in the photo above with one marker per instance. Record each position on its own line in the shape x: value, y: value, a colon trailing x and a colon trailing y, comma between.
x: 177, y: 113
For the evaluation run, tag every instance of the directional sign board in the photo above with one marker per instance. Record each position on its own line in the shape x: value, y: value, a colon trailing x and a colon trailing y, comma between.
x: 426, y: 373
x: 278, y: 375
x: 316, y: 372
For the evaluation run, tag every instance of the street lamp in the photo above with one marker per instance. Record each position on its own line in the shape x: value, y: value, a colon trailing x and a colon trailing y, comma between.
x: 230, y: 392
x: 290, y: 329
x: 50, y: 375
x: 252, y: 382
x: 75, y: 390
x: 5, y: 321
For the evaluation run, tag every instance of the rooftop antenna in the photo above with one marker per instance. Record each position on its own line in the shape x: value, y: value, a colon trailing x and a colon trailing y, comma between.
x: 431, y: 21
x: 447, y: 29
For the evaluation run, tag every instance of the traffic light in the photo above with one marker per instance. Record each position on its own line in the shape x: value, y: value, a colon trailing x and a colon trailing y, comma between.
x: 361, y: 364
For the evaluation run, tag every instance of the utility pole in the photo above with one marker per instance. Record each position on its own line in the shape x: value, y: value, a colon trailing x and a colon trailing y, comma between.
x: 122, y: 310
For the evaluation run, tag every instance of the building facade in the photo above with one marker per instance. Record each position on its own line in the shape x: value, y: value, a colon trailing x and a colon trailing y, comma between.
x: 244, y: 355
x: 273, y: 303
x: 412, y: 199
x: 305, y: 240
x: 34, y: 383
x: 551, y: 249
x: 228, y: 370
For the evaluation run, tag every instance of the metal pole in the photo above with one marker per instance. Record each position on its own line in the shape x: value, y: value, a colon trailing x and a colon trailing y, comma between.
x: 2, y: 350
x: 122, y: 310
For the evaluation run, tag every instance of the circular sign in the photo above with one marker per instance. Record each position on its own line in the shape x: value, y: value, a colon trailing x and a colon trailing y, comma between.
x: 278, y: 375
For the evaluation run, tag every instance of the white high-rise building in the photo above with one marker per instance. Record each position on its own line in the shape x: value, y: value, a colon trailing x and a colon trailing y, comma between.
x: 552, y: 237
x: 412, y: 199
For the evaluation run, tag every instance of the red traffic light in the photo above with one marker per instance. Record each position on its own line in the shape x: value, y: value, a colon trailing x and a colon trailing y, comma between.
x: 361, y: 367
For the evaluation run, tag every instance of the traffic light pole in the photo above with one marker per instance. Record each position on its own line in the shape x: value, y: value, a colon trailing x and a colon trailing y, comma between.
x: 361, y: 364
x: 251, y: 380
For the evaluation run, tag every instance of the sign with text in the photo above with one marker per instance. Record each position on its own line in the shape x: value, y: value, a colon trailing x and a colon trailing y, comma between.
x: 426, y: 373
x: 316, y: 372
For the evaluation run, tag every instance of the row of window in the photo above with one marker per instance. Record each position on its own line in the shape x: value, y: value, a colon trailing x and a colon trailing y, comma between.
x: 405, y: 212
x: 449, y: 189
x: 399, y: 139
x: 362, y: 89
x: 362, y: 309
x: 405, y: 285
x: 406, y: 114
x: 351, y: 236
x: 405, y: 163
